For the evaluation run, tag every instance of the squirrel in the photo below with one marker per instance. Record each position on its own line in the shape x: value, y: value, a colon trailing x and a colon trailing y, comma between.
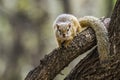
x: 67, y: 26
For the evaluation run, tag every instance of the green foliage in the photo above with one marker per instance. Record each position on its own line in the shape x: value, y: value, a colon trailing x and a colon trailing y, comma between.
x: 114, y: 1
x: 24, y: 5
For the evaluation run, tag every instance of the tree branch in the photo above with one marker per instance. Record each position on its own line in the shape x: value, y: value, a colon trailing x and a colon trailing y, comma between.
x: 90, y: 69
x: 114, y: 29
x: 59, y: 58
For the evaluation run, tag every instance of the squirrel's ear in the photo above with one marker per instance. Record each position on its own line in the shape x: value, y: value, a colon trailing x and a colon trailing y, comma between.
x: 57, y: 26
x: 69, y: 25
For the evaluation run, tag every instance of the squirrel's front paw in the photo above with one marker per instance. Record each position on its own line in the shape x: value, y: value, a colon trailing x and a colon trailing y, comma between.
x: 67, y: 44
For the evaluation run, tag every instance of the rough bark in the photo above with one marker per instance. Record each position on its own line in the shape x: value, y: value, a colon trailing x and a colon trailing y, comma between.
x: 59, y: 58
x: 89, y: 68
x: 114, y: 30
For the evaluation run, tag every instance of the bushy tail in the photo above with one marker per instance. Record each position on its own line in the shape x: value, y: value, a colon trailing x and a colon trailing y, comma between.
x: 101, y: 35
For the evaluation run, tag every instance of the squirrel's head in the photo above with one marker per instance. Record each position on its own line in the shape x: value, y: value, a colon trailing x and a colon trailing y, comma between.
x: 63, y: 30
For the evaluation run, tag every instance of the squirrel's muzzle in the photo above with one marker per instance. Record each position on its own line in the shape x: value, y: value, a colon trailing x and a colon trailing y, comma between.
x: 63, y: 35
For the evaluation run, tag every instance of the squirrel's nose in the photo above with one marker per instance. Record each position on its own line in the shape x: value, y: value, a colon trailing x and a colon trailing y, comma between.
x: 63, y: 35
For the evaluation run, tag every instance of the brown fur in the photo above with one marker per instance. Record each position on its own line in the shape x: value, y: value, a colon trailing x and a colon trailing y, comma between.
x: 61, y: 23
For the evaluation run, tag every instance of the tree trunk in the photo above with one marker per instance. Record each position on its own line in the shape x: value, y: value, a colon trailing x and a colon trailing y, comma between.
x: 89, y: 67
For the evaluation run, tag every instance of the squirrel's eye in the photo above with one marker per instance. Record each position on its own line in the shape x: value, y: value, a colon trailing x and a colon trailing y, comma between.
x: 59, y: 31
x: 67, y: 29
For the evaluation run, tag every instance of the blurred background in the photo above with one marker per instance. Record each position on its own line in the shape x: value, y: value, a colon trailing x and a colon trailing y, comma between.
x: 26, y: 32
